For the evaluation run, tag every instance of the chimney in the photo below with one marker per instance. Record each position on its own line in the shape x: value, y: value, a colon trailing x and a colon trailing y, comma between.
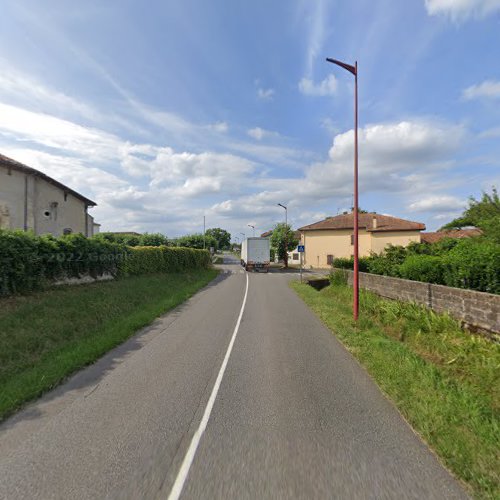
x: 374, y: 222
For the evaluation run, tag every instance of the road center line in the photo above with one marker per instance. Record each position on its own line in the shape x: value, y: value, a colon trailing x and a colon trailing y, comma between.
x: 195, y: 441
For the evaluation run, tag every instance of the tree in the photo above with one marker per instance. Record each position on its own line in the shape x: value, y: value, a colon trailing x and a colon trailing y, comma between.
x: 283, y: 240
x: 222, y: 237
x: 153, y: 240
x: 196, y: 241
x: 483, y: 213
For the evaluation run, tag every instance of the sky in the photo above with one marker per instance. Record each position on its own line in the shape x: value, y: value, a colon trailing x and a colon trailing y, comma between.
x: 166, y: 112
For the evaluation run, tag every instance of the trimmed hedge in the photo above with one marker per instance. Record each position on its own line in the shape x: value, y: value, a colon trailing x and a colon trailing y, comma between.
x: 162, y: 259
x: 29, y: 262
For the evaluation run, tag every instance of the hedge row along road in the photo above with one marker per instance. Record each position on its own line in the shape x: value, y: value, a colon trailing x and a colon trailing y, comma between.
x: 241, y: 393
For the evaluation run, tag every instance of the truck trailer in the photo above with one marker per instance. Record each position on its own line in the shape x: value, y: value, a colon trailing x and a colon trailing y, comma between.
x: 255, y: 254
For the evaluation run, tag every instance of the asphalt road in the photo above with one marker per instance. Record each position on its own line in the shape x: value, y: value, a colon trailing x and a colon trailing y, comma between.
x: 292, y: 414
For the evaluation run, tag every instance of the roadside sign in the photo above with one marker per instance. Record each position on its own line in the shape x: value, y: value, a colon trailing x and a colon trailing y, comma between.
x: 301, y: 248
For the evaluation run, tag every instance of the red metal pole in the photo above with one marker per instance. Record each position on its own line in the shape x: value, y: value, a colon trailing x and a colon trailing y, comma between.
x: 356, y: 227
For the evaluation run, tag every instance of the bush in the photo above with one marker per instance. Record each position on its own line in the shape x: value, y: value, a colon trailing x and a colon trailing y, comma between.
x: 421, y: 267
x: 29, y: 262
x: 473, y: 264
x: 162, y: 259
x: 348, y: 263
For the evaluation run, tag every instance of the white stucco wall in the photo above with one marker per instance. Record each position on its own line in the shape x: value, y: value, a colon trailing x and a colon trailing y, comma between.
x: 29, y: 202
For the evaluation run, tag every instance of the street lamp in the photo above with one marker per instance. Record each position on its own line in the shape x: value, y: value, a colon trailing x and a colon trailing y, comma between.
x: 253, y: 227
x: 286, y: 233
x: 354, y: 71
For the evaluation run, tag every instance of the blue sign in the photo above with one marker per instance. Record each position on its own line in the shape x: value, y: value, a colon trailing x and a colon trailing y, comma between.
x: 301, y: 248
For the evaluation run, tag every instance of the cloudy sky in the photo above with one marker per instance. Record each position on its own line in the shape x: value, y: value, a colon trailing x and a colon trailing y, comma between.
x: 166, y: 111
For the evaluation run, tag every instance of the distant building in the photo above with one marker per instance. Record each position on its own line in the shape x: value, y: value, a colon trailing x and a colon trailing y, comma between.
x: 333, y: 237
x: 33, y: 201
x: 452, y: 233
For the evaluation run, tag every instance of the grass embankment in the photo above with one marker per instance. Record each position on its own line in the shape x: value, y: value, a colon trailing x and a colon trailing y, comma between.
x: 46, y: 336
x: 444, y: 381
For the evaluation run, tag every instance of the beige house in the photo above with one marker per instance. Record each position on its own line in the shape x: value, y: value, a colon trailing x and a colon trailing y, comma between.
x: 33, y: 201
x: 333, y: 237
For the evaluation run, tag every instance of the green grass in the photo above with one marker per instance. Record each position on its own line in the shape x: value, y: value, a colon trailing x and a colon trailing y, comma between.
x: 445, y: 381
x: 46, y: 336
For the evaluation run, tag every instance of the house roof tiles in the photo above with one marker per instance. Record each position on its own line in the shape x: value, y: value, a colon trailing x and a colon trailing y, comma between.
x: 370, y: 221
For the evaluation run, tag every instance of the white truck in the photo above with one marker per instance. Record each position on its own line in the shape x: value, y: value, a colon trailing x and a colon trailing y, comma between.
x: 255, y: 254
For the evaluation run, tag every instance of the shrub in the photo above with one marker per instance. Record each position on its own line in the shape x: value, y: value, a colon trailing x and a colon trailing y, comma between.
x: 421, y: 267
x: 162, y: 259
x: 474, y: 264
x: 348, y: 263
x: 29, y: 262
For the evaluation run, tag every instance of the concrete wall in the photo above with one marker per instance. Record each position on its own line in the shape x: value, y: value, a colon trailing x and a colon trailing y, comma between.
x: 475, y: 309
x: 403, y: 238
x: 28, y: 202
x: 320, y: 244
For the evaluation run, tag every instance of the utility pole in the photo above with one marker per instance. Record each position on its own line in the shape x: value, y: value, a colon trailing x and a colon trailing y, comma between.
x: 355, y: 281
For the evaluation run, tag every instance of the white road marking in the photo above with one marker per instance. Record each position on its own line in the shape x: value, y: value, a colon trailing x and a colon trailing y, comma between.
x: 195, y: 441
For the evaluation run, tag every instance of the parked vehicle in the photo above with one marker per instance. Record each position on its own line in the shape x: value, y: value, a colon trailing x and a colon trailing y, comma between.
x: 255, y: 254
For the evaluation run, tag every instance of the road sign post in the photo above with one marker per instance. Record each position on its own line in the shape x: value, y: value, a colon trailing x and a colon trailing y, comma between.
x: 301, y: 249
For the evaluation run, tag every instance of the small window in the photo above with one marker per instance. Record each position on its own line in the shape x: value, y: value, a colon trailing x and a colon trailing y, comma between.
x: 46, y: 213
x: 329, y: 259
x: 67, y: 230
x: 295, y: 256
x: 352, y: 239
x: 65, y: 196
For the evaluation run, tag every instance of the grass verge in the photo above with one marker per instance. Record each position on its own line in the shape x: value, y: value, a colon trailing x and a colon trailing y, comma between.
x: 444, y: 381
x: 46, y: 336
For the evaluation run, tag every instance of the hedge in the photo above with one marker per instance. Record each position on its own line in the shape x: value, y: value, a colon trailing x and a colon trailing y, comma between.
x: 144, y: 260
x: 29, y: 262
x: 472, y: 263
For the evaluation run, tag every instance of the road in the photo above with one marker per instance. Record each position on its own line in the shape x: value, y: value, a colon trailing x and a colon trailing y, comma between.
x: 217, y: 400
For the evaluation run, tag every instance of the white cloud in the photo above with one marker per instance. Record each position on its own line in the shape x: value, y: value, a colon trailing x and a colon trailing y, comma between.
x: 260, y: 133
x: 221, y: 127
x: 462, y: 9
x: 265, y: 94
x: 487, y: 89
x: 437, y: 204
x: 326, y: 87
x: 398, y: 158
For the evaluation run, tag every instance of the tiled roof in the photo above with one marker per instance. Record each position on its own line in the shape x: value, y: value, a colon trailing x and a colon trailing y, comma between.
x: 7, y: 162
x: 452, y: 233
x: 366, y: 221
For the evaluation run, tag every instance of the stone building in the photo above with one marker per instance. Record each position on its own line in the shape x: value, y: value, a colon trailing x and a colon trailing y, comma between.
x: 33, y: 201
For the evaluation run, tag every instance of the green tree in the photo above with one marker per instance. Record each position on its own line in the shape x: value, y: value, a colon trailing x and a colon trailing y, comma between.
x: 283, y: 240
x: 483, y: 213
x: 222, y: 237
x: 196, y: 241
x: 153, y: 240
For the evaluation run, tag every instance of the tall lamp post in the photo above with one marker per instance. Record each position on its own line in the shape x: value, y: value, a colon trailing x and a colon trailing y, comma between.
x: 354, y: 71
x: 286, y: 233
x: 253, y: 227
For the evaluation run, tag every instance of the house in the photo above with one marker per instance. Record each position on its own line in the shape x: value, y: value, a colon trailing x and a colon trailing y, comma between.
x: 452, y: 233
x: 333, y: 237
x: 33, y: 201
